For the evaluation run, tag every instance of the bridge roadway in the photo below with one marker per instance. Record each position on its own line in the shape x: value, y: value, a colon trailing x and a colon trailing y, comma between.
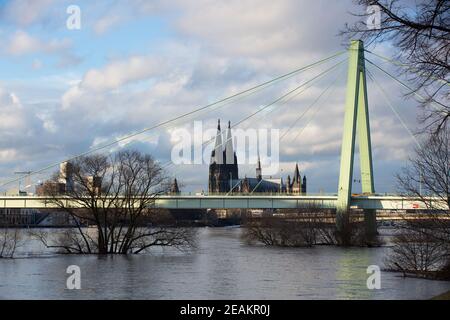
x: 377, y: 202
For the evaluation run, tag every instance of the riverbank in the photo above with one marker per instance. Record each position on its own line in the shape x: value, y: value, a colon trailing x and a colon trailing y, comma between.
x: 443, y: 296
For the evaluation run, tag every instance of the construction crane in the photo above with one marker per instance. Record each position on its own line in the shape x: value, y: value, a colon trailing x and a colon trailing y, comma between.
x: 27, y: 178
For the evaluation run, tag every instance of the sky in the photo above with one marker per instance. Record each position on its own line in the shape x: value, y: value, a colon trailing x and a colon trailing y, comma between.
x: 135, y: 63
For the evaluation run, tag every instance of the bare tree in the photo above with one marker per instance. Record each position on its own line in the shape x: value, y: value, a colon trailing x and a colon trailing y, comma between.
x: 423, y: 245
x: 421, y: 33
x: 291, y: 228
x: 354, y: 231
x: 10, y: 240
x: 417, y: 253
x: 277, y: 231
x: 307, y: 227
x: 427, y: 178
x: 116, y: 195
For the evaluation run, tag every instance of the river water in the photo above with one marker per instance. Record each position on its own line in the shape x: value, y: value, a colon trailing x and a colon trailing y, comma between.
x: 222, y: 267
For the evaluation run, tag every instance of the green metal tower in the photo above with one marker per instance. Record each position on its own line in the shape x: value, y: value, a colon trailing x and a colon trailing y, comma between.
x: 356, y: 120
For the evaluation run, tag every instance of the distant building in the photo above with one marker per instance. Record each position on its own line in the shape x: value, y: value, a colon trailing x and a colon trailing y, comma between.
x: 94, y: 184
x: 223, y: 169
x: 66, y: 175
x: 50, y: 187
x: 298, y: 184
x: 174, y: 189
x: 224, y: 177
x: 63, y: 184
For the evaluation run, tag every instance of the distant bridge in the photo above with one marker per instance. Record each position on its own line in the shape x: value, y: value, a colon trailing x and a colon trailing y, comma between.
x: 369, y: 202
x: 356, y: 122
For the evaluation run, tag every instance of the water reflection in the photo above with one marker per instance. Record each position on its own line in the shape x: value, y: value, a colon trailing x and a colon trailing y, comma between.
x: 223, y: 267
x: 351, y: 276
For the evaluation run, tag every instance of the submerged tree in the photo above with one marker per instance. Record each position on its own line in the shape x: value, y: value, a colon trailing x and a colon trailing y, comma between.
x: 307, y: 227
x: 116, y: 195
x: 427, y: 176
x: 424, y: 242
x: 420, y: 31
x: 10, y: 240
x: 416, y: 251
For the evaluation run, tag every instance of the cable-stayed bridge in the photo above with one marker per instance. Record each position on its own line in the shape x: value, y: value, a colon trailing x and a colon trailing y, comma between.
x: 356, y: 123
x: 236, y: 201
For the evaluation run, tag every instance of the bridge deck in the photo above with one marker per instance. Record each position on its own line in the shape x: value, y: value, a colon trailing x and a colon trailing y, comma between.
x: 242, y: 201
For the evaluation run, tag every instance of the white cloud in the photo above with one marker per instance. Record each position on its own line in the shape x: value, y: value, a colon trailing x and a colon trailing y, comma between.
x: 7, y: 155
x: 21, y: 43
x: 69, y: 96
x: 11, y: 112
x: 26, y: 12
x: 122, y: 72
x: 254, y: 29
x: 106, y: 22
x: 215, y: 49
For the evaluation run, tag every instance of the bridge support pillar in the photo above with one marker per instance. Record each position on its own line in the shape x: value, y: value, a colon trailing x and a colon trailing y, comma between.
x: 356, y: 120
x: 370, y: 224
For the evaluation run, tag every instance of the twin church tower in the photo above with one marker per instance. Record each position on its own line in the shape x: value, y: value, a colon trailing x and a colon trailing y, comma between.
x: 224, y: 172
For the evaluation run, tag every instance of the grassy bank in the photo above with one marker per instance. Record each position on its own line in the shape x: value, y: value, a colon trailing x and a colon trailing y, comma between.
x: 443, y: 296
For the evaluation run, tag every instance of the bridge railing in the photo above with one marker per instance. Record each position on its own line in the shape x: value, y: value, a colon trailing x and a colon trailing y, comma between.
x: 206, y: 194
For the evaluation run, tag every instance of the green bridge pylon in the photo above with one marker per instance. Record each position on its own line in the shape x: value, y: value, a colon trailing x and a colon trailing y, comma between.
x: 356, y: 120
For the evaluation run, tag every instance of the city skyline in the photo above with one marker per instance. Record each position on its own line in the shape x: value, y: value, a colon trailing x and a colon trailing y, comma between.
x: 227, y: 158
x: 66, y: 91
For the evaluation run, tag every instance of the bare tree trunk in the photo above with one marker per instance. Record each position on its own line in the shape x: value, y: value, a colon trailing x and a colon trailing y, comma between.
x: 115, y: 194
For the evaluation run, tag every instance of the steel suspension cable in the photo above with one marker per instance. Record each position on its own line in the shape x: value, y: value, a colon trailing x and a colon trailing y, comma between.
x: 391, y: 106
x: 107, y: 145
x: 315, y: 112
x: 240, y: 97
x: 404, y: 84
x: 309, y: 107
x: 302, y: 91
x: 289, y: 97
x: 396, y: 63
x: 279, y: 99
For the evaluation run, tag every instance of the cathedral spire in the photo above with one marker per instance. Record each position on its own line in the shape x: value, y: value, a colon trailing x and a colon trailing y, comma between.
x: 229, y: 152
x: 258, y: 169
x: 304, y: 185
x: 297, y: 181
x: 297, y: 176
x: 174, y: 187
x: 217, y: 153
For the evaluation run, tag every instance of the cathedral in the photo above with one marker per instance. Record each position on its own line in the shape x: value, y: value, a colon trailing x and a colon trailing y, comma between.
x: 224, y: 173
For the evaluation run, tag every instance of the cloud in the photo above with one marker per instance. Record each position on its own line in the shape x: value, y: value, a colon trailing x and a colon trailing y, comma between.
x: 212, y: 50
x: 7, y: 154
x: 105, y: 23
x: 20, y: 129
x: 111, y: 14
x: 249, y: 28
x: 26, y: 12
x: 37, y: 64
x: 22, y: 43
x: 11, y: 111
x: 120, y: 73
